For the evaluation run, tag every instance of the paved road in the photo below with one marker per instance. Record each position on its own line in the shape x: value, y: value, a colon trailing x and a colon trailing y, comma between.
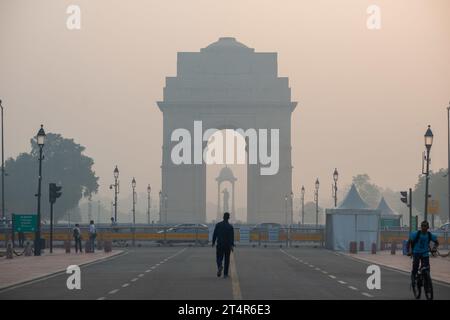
x: 256, y: 273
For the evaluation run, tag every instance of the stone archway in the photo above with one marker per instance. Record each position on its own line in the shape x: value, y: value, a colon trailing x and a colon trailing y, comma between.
x: 226, y: 86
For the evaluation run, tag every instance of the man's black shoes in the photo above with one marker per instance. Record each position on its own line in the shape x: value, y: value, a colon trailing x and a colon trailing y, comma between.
x: 219, y: 272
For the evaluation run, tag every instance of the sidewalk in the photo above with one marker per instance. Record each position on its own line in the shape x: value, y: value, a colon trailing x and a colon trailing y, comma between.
x: 24, y: 269
x: 440, y: 267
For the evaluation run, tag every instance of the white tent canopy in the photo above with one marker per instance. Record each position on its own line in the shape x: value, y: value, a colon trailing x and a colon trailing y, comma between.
x: 352, y: 221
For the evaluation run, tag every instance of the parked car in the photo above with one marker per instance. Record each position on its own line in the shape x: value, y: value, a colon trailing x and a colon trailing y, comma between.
x: 445, y: 227
x: 185, y: 233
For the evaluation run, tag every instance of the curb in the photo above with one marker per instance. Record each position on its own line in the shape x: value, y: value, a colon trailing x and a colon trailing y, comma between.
x: 59, y: 272
x: 392, y: 268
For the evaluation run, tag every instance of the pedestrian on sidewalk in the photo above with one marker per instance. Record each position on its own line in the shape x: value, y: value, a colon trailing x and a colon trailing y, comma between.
x: 77, y: 238
x: 92, y: 235
x: 224, y: 234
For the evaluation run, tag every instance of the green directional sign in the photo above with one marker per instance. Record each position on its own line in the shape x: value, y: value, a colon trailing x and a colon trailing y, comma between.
x: 24, y: 222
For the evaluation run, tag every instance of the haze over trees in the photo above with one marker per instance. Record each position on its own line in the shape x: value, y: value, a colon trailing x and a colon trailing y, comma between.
x: 64, y: 164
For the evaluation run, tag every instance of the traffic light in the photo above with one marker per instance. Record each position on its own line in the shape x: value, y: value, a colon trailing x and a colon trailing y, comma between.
x: 54, y: 192
x: 404, y: 197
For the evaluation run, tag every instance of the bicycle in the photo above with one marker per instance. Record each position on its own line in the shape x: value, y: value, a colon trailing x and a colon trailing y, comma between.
x: 423, y: 279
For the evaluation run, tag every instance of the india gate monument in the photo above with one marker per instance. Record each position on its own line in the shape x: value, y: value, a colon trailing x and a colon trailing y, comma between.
x: 227, y: 85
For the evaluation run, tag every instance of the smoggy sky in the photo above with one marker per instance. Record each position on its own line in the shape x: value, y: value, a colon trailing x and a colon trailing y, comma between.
x: 365, y: 96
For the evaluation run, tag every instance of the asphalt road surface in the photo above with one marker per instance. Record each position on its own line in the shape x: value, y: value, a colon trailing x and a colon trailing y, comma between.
x: 255, y: 273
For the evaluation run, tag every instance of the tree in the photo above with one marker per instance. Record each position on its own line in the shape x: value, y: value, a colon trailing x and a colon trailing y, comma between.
x: 438, y: 189
x: 63, y: 164
x: 369, y: 192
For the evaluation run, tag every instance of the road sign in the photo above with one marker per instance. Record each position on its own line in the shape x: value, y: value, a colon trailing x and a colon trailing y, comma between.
x: 24, y: 222
x: 433, y: 207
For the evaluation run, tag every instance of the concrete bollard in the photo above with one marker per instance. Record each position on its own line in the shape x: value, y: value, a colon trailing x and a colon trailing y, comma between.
x: 374, y: 248
x: 361, y: 246
x: 87, y: 246
x: 28, y: 252
x: 100, y: 244
x: 107, y: 246
x: 393, y: 247
x: 9, y: 251
x: 67, y: 246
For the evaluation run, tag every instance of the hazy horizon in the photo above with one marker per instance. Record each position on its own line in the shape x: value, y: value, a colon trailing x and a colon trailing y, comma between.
x: 365, y: 97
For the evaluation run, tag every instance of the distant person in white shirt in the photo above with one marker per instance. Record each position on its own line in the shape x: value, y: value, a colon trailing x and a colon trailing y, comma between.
x: 92, y: 234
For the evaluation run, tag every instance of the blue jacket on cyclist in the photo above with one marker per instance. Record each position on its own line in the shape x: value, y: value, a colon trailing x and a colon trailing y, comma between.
x: 419, y: 247
x: 422, y: 244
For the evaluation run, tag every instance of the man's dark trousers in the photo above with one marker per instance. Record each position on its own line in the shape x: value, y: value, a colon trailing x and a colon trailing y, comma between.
x: 222, y: 252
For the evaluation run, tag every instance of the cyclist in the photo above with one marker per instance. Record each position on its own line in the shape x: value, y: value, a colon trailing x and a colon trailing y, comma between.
x: 419, y: 247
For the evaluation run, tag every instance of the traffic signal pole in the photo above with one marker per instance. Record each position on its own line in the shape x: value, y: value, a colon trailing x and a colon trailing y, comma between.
x: 51, y: 227
x: 54, y: 193
x: 410, y: 210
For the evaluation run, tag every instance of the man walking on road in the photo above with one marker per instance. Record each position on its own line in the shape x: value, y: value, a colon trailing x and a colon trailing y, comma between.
x: 224, y: 234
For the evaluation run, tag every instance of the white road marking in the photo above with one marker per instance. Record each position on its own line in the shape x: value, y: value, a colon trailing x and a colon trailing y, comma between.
x: 148, y: 270
x: 141, y: 275
x: 324, y: 272
x: 318, y: 269
x: 125, y: 285
x: 113, y: 291
x: 342, y: 282
x: 134, y: 279
x: 153, y: 267
x: 353, y: 288
x: 332, y: 277
x: 367, y: 295
x: 101, y: 298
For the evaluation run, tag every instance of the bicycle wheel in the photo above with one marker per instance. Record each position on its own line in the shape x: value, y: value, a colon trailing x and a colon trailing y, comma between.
x: 428, y: 285
x: 417, y: 287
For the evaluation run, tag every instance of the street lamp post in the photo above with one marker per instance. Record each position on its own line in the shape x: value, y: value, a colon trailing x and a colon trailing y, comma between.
x: 316, y: 199
x: 149, y: 206
x: 303, y: 205
x: 3, y: 169
x: 335, y: 178
x: 160, y: 207
x: 37, y: 237
x: 448, y: 157
x: 291, y: 213
x: 165, y: 207
x: 428, y: 143
x: 133, y: 186
x: 285, y: 210
x: 165, y: 218
x: 116, y: 191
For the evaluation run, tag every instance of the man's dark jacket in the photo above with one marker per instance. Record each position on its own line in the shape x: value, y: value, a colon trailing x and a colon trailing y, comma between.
x: 224, y: 234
